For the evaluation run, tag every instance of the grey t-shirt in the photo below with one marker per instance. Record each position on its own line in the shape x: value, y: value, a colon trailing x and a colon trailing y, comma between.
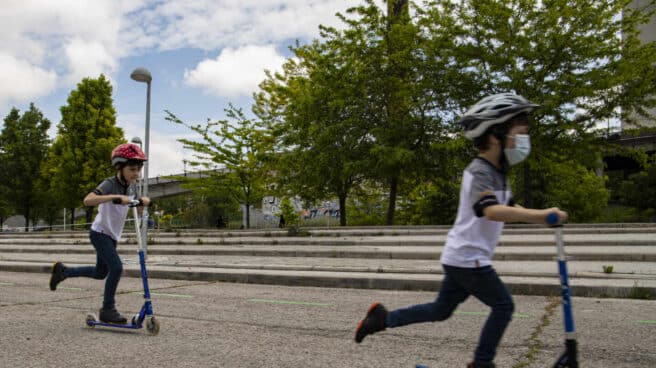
x: 111, y: 217
x: 473, y: 238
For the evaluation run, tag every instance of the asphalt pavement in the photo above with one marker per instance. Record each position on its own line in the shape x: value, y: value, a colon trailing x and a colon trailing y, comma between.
x: 216, y: 324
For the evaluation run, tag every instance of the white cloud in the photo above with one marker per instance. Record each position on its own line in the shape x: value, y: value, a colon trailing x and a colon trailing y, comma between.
x: 212, y: 24
x: 166, y: 155
x: 63, y: 41
x: 20, y: 80
x: 235, y: 72
x: 88, y: 59
x: 74, y: 39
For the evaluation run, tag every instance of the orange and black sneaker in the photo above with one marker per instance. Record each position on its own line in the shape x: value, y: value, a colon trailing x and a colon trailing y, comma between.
x: 57, y: 275
x: 373, y: 322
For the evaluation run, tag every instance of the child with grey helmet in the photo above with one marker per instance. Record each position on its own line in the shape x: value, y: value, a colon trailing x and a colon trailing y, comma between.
x: 498, y: 126
x: 107, y: 227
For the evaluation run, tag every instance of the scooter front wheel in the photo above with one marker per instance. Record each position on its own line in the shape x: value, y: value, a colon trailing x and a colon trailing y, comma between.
x: 91, y: 318
x: 152, y: 326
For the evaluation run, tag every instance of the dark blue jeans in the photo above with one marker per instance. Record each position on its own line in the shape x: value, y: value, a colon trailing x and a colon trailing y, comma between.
x: 458, y: 284
x: 108, y: 264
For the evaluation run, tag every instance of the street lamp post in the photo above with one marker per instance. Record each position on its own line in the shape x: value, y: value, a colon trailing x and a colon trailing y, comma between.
x: 137, y: 141
x: 143, y: 75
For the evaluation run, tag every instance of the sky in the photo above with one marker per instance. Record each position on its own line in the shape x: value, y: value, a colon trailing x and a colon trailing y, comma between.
x: 202, y: 54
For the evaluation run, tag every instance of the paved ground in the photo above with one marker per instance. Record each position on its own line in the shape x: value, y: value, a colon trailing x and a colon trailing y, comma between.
x: 213, y: 324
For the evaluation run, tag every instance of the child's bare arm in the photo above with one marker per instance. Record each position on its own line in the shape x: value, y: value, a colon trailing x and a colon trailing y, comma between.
x: 505, y: 213
x: 93, y: 199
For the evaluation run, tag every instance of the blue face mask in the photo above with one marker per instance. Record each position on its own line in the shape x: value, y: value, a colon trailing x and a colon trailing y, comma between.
x: 521, y: 150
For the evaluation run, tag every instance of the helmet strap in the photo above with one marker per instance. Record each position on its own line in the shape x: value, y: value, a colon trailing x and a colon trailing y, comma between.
x: 120, y: 176
x: 503, y: 160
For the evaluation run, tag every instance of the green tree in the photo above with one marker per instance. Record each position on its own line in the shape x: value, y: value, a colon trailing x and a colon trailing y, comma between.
x: 79, y: 158
x: 354, y: 106
x: 580, y: 190
x: 233, y: 153
x: 581, y: 60
x: 289, y: 213
x: 402, y: 118
x: 23, y: 148
x: 5, y: 210
x: 640, y: 190
x: 321, y: 141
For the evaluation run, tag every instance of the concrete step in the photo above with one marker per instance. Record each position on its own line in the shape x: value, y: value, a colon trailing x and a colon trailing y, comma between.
x: 351, y: 231
x: 583, y: 269
x: 597, y: 240
x: 533, y: 253
x: 587, y: 287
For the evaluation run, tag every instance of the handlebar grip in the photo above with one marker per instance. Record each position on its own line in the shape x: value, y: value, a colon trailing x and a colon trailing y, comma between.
x: 553, y: 219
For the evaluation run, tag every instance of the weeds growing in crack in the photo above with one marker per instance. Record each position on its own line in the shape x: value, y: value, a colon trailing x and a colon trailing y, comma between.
x: 533, y: 342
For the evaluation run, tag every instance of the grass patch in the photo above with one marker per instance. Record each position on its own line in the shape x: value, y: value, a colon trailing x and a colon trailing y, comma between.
x: 638, y: 292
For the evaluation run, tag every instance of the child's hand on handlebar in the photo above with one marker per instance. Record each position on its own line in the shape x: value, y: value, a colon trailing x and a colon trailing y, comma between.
x: 121, y: 199
x: 562, y: 215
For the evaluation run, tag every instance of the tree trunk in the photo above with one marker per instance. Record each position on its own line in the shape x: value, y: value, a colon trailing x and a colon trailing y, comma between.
x: 89, y: 217
x: 527, y: 187
x: 72, y: 218
x: 342, y: 210
x: 248, y: 216
x: 26, y: 213
x: 391, y: 208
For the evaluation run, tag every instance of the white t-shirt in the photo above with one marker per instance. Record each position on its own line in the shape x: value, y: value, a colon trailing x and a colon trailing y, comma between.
x: 472, y: 239
x: 111, y: 217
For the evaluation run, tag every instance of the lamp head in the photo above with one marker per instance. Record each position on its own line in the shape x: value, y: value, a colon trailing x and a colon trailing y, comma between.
x: 141, y: 75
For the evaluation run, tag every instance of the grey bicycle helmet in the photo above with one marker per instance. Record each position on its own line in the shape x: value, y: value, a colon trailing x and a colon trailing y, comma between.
x: 491, y: 110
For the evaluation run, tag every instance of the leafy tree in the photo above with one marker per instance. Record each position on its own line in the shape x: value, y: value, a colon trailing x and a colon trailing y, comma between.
x: 5, y: 211
x: 580, y: 190
x: 433, y: 199
x: 23, y: 148
x: 79, y: 158
x: 233, y: 152
x: 354, y: 106
x: 580, y: 60
x: 289, y: 213
x: 321, y: 143
x: 640, y: 189
x: 402, y: 118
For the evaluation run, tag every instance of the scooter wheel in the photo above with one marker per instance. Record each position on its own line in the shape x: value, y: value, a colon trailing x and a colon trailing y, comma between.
x: 91, y: 318
x: 152, y: 326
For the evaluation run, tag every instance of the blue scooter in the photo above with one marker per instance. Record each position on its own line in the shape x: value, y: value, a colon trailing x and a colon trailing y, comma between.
x: 569, y: 358
x: 146, y: 312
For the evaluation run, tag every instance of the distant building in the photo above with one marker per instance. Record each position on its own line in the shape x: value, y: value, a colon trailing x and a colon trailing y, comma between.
x: 647, y: 34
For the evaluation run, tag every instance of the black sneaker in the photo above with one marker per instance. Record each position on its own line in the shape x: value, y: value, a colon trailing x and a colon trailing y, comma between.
x: 372, y: 323
x: 57, y: 275
x: 112, y: 316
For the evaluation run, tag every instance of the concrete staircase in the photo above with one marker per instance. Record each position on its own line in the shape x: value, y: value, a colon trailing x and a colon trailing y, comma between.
x: 396, y: 258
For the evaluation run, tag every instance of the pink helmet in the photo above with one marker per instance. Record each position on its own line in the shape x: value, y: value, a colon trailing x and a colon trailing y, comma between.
x: 127, y: 152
